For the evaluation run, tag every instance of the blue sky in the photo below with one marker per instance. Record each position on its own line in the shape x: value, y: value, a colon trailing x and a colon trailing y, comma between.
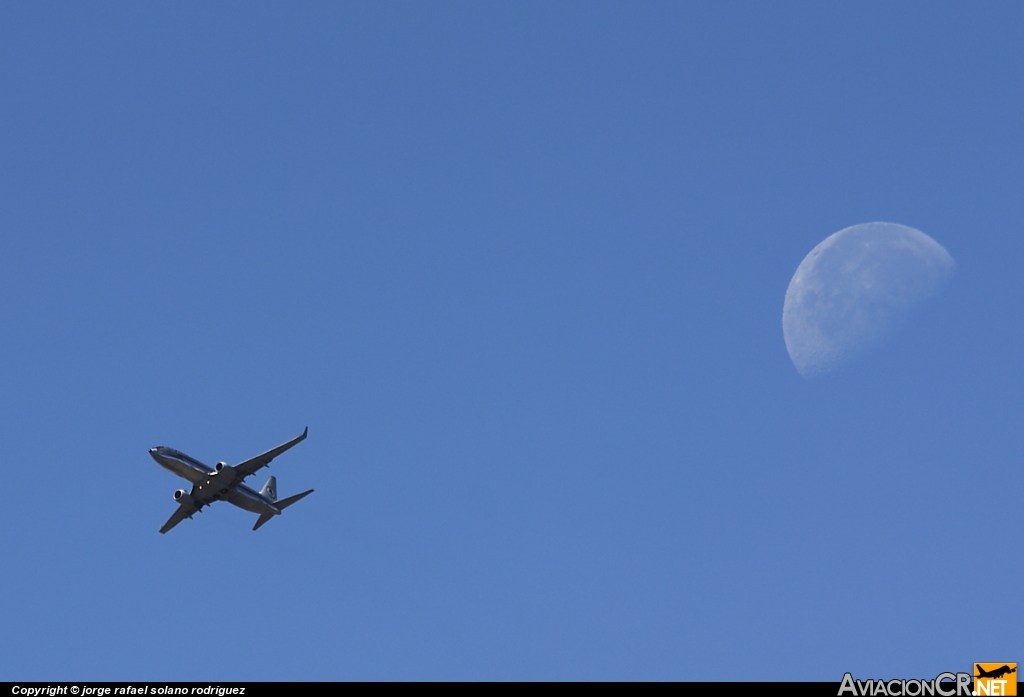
x: 520, y: 268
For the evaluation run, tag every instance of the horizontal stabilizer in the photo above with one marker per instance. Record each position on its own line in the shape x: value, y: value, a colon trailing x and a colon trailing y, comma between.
x: 263, y: 518
x: 284, y: 503
x: 280, y: 505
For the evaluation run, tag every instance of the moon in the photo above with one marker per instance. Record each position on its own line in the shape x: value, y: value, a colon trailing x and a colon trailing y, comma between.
x: 852, y: 288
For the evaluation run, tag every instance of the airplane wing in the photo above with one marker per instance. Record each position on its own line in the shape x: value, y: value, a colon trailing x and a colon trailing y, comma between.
x: 184, y: 511
x: 260, y: 461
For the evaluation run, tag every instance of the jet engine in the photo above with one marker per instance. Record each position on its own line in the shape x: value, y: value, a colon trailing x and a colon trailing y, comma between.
x: 224, y: 475
x: 182, y: 496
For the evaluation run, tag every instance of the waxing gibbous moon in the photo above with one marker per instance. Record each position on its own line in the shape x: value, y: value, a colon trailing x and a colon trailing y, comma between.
x: 853, y: 287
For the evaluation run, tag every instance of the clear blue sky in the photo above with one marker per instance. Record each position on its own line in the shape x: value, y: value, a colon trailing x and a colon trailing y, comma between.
x: 520, y: 268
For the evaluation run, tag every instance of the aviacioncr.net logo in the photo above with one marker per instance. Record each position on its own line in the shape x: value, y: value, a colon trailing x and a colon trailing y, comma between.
x: 943, y: 685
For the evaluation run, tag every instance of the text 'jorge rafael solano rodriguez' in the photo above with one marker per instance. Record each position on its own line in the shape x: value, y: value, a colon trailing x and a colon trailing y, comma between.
x: 126, y: 691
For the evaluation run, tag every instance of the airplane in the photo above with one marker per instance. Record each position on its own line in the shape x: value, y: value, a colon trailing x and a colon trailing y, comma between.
x: 225, y: 482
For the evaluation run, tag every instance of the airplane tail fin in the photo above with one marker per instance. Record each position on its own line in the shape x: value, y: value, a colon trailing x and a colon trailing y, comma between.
x: 281, y: 505
x: 269, y: 490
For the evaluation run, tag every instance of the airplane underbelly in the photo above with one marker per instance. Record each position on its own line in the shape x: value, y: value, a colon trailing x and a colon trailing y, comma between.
x: 207, y: 492
x: 247, y: 499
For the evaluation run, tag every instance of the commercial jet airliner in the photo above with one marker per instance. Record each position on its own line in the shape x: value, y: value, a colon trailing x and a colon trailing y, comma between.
x: 225, y: 482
